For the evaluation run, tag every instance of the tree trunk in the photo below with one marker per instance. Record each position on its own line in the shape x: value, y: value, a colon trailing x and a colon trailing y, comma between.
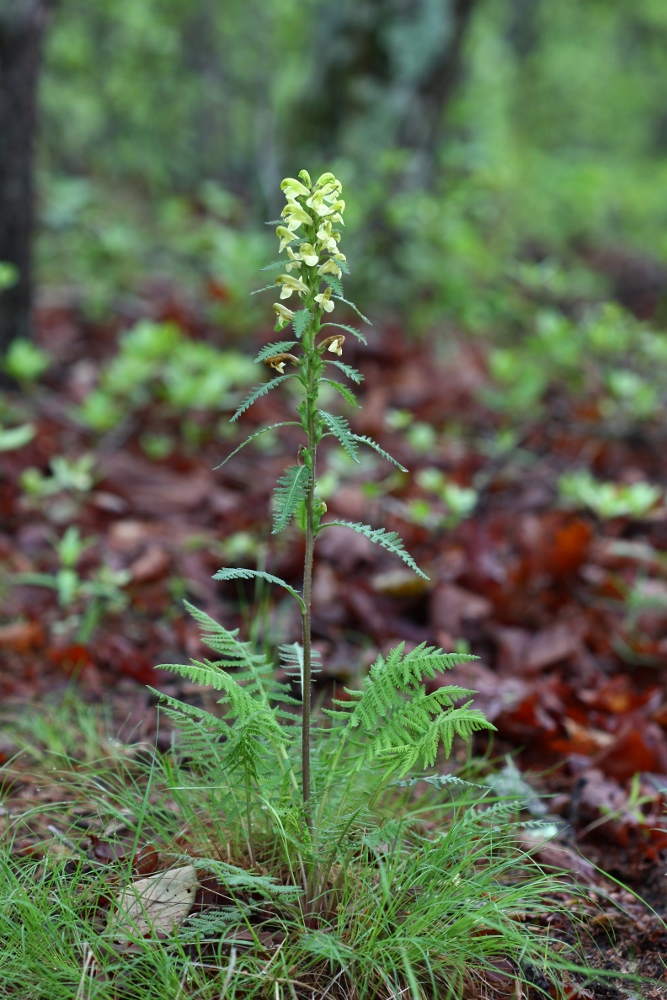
x: 22, y: 24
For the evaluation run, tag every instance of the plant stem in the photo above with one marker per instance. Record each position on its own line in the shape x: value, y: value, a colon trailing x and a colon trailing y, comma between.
x: 307, y: 591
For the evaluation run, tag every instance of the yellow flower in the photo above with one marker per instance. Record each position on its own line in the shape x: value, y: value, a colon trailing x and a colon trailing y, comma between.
x: 291, y: 284
x: 308, y: 255
x: 324, y: 300
x: 334, y: 344
x: 330, y: 267
x: 285, y: 237
x: 295, y: 260
x: 295, y: 215
x: 284, y: 315
x: 293, y: 188
x: 278, y: 362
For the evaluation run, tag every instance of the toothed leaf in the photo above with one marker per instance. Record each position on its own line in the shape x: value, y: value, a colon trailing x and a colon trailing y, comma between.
x: 240, y: 573
x: 349, y: 329
x: 350, y: 372
x: 300, y: 321
x: 389, y: 540
x: 340, y: 429
x: 352, y: 306
x: 362, y: 439
x: 256, y: 393
x: 283, y: 423
x: 348, y: 396
x: 334, y: 283
x: 270, y: 350
x: 292, y: 488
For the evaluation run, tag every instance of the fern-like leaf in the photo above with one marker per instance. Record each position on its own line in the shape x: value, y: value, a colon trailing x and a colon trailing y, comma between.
x: 241, y: 573
x: 340, y: 428
x: 348, y: 329
x: 462, y: 722
x: 264, y: 430
x: 291, y: 659
x: 265, y: 288
x: 292, y: 488
x: 270, y: 350
x: 352, y: 306
x: 300, y: 321
x: 254, y: 395
x: 334, y: 283
x: 370, y: 443
x: 389, y: 540
x: 351, y: 373
x: 348, y: 396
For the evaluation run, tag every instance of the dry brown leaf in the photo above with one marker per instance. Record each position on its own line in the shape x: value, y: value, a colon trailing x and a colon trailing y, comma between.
x: 154, y: 904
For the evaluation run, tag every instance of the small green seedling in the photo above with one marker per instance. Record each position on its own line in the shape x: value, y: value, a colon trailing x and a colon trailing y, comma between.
x: 25, y: 362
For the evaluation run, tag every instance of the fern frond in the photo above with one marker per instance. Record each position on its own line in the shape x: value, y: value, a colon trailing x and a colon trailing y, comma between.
x: 389, y: 540
x: 349, y: 329
x: 256, y: 393
x: 292, y: 488
x: 462, y: 722
x: 340, y: 428
x: 241, y: 573
x: 271, y: 427
x: 270, y: 350
x: 352, y: 306
x: 264, y: 288
x: 348, y: 396
x: 291, y: 659
x: 351, y: 373
x: 300, y: 321
x: 362, y: 439
x: 334, y: 283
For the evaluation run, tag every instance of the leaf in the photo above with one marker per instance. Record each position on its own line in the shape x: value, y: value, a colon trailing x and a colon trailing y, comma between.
x: 264, y: 289
x: 292, y: 488
x: 240, y: 573
x: 300, y: 321
x: 343, y: 390
x: 254, y: 395
x: 291, y: 658
x: 351, y: 305
x: 373, y: 444
x: 350, y: 372
x: 270, y: 350
x: 275, y: 265
x: 389, y: 540
x: 283, y: 423
x: 16, y: 437
x: 350, y: 329
x: 154, y: 904
x: 334, y: 283
x: 340, y: 429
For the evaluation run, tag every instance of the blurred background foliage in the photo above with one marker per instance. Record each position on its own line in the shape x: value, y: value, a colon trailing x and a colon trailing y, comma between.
x: 490, y: 148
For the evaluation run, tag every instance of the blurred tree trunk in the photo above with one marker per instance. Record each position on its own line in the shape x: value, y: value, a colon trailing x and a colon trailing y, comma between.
x: 22, y: 24
x: 385, y: 74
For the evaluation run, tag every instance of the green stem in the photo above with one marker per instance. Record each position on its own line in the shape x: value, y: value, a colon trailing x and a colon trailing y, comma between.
x: 247, y: 807
x: 307, y: 598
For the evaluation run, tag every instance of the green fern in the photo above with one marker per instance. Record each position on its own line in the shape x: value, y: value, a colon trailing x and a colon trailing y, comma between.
x: 291, y: 490
x: 256, y: 393
x: 348, y: 396
x: 270, y: 350
x: 301, y: 321
x: 370, y: 443
x: 351, y: 305
x: 241, y: 573
x: 351, y: 373
x: 340, y: 428
x: 348, y: 329
x: 270, y: 427
x: 389, y: 540
x: 334, y: 283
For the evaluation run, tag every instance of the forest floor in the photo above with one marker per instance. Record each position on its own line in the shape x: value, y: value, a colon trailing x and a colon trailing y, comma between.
x: 570, y: 670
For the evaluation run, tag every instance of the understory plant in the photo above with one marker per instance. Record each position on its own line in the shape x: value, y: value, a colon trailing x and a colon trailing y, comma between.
x: 325, y: 806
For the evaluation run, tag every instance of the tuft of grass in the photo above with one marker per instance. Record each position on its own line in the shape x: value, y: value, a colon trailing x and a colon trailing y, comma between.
x: 422, y: 893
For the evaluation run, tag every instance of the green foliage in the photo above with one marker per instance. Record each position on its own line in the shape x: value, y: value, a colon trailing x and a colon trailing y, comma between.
x: 257, y: 393
x: 25, y: 362
x: 290, y: 492
x: 8, y: 275
x: 300, y: 321
x: 240, y: 573
x: 389, y: 540
x: 608, y: 500
x: 340, y: 428
x: 12, y: 438
x: 363, y: 439
x: 269, y: 350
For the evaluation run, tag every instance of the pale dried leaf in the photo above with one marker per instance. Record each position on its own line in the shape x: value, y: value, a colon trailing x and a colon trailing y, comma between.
x: 156, y: 903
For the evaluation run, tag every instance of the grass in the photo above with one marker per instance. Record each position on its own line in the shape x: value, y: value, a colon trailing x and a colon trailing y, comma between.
x: 425, y: 895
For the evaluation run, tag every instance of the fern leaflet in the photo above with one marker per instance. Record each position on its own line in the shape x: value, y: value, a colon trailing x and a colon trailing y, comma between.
x: 254, y: 395
x: 292, y: 488
x: 340, y: 428
x: 389, y: 540
x: 362, y: 439
x: 351, y: 305
x: 271, y: 427
x: 351, y: 373
x: 343, y: 390
x: 270, y: 350
x: 300, y: 321
x: 241, y: 573
x: 334, y: 283
x: 291, y: 658
x: 349, y: 329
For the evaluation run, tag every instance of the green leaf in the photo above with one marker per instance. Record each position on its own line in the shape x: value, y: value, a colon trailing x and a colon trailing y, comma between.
x: 283, y: 423
x: 343, y: 390
x: 334, y: 283
x: 16, y: 437
x: 292, y: 488
x: 352, y: 306
x: 300, y: 321
x: 270, y: 350
x: 350, y: 329
x: 350, y: 372
x: 240, y: 573
x: 254, y: 395
x: 362, y: 439
x: 264, y: 289
x: 389, y: 540
x: 340, y: 429
x: 275, y: 265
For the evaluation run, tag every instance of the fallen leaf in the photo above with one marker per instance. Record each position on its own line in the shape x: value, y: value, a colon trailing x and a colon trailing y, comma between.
x: 154, y: 904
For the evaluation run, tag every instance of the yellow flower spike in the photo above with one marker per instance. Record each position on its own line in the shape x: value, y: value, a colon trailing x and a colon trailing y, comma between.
x: 278, y: 362
x: 330, y: 267
x: 292, y: 188
x: 295, y: 215
x: 295, y: 260
x: 305, y: 177
x: 308, y: 255
x: 333, y: 344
